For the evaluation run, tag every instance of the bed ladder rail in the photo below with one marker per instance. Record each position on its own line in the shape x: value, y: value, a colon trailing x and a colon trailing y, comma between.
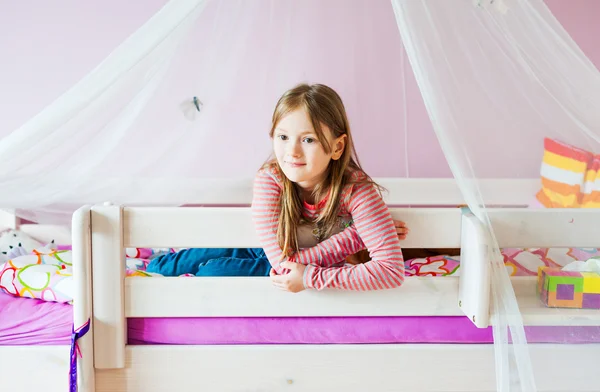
x: 474, y: 280
x: 82, y: 304
x: 108, y: 269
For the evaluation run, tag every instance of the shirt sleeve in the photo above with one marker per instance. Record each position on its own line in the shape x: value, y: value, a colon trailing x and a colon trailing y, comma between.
x: 375, y: 226
x: 265, y: 215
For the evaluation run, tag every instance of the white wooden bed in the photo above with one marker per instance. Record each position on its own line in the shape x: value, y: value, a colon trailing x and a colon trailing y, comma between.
x: 102, y: 232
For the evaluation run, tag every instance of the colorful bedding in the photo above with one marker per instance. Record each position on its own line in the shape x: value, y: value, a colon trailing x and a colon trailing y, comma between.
x: 46, y: 274
x: 518, y: 262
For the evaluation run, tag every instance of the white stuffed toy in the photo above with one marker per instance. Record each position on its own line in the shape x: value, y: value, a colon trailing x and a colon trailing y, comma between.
x: 15, y: 243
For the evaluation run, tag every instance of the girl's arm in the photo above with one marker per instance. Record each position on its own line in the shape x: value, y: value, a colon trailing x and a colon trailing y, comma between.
x: 375, y: 226
x: 265, y: 213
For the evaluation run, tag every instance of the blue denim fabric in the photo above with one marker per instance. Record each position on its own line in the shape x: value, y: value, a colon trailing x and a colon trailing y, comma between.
x: 212, y: 262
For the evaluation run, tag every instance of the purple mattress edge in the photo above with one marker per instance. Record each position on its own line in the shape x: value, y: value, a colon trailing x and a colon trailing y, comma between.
x: 334, y: 330
x: 27, y: 321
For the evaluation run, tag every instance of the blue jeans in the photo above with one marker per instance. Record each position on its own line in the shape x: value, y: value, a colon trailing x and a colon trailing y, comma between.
x: 212, y: 262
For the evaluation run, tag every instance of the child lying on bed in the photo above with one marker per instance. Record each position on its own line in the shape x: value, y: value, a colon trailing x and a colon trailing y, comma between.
x: 313, y: 207
x: 232, y: 261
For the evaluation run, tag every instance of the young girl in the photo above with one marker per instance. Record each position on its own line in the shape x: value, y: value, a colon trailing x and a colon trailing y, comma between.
x: 314, y: 209
x: 313, y: 205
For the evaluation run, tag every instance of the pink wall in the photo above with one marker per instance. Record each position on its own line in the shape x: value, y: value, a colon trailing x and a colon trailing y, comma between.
x: 47, y: 46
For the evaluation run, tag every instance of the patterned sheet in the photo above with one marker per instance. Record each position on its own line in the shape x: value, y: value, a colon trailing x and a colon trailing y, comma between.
x: 518, y: 262
x: 46, y: 274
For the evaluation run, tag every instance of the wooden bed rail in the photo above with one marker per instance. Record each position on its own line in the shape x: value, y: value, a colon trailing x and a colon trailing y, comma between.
x: 115, y: 228
x: 400, y: 191
x: 82, y: 301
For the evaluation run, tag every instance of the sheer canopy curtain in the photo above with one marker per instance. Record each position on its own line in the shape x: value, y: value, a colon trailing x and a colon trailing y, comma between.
x: 497, y: 77
x: 184, y: 105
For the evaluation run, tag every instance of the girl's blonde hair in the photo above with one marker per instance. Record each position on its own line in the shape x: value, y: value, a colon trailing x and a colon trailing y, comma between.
x: 324, y: 107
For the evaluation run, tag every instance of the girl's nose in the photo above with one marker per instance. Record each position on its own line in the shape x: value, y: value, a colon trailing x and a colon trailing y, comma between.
x: 294, y: 150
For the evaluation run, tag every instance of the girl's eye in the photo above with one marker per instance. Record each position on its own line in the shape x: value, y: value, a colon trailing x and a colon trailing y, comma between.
x: 309, y: 140
x: 282, y: 137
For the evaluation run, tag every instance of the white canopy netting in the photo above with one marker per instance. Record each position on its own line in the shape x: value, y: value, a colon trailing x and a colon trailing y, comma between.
x: 156, y: 122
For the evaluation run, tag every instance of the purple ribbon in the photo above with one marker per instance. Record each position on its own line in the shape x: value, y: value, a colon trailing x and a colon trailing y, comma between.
x: 75, y: 336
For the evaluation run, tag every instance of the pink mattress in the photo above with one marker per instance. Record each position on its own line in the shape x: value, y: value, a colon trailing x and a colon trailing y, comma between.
x: 334, y: 330
x: 25, y: 321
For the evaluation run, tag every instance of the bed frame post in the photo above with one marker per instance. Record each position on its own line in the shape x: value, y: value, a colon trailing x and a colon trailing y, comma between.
x: 108, y: 265
x: 82, y: 304
x: 9, y: 220
x: 474, y: 281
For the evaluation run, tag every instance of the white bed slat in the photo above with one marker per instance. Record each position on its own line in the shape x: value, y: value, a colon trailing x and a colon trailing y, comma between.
x: 430, y: 227
x: 547, y: 228
x: 232, y: 227
x: 319, y: 368
x: 445, y: 191
x: 256, y: 296
x: 108, y: 256
x: 401, y: 191
x: 36, y: 368
x: 216, y: 227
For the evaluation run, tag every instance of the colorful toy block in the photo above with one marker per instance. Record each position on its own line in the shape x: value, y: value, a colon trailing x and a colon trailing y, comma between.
x: 569, y: 289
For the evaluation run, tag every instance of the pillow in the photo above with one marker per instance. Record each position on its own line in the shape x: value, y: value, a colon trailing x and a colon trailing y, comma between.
x: 565, y: 169
x: 45, y: 274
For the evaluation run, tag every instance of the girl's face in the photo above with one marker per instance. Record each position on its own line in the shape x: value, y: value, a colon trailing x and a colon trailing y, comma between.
x: 299, y: 153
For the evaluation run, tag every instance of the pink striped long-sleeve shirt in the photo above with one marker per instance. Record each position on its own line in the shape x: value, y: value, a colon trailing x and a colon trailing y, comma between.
x: 369, y: 225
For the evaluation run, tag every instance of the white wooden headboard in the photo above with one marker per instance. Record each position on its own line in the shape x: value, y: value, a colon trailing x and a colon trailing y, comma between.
x: 401, y: 191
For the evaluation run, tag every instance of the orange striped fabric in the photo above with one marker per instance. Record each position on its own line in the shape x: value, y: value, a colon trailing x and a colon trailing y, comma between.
x: 591, y: 194
x: 570, y: 177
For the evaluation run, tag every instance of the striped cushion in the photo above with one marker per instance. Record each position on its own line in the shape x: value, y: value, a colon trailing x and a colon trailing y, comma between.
x: 591, y: 186
x: 570, y: 177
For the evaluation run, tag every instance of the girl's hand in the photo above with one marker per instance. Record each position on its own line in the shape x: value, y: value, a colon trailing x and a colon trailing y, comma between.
x: 293, y: 280
x: 401, y: 229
